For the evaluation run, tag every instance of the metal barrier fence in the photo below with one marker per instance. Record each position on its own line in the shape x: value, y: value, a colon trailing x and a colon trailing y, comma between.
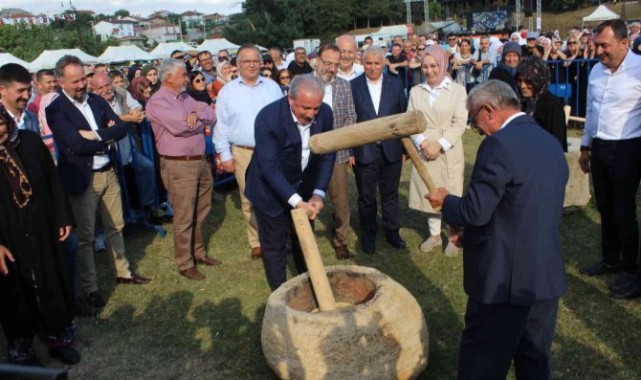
x: 568, y: 80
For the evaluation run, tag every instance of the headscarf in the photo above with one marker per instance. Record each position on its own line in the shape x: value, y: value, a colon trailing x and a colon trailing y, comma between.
x: 219, y: 72
x: 10, y: 163
x: 441, y: 58
x: 534, y: 71
x: 132, y: 72
x: 145, y: 70
x: 137, y: 87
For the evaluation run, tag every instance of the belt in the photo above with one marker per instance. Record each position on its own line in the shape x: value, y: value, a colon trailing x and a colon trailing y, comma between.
x: 102, y: 169
x: 244, y: 147
x: 199, y: 157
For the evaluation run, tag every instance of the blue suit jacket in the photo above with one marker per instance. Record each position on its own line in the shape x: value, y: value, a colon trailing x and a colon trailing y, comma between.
x: 274, y: 173
x: 392, y: 102
x: 75, y: 152
x: 512, y: 215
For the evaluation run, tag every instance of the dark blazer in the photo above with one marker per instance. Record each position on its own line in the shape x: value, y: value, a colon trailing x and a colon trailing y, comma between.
x: 392, y: 102
x: 274, y: 173
x: 512, y: 215
x: 551, y: 117
x: 75, y: 152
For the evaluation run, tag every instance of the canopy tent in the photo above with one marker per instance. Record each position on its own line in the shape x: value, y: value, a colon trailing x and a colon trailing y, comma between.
x: 217, y: 44
x: 124, y: 54
x: 48, y: 58
x: 8, y: 58
x: 165, y: 49
x: 602, y: 13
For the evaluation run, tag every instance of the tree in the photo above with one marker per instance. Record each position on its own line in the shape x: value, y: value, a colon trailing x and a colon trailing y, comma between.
x: 120, y: 13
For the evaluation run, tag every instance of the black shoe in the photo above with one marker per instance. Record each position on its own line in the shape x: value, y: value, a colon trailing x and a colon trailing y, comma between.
x: 632, y: 290
x: 600, y: 269
x: 67, y: 355
x: 395, y: 240
x: 622, y: 281
x: 21, y: 352
x: 95, y: 299
x: 368, y: 244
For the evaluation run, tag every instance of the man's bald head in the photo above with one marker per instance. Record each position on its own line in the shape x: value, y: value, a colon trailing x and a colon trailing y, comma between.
x: 101, y: 84
x: 347, y: 45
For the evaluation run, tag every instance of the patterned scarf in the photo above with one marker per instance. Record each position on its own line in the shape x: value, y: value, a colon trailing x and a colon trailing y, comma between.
x: 10, y: 163
x: 533, y: 71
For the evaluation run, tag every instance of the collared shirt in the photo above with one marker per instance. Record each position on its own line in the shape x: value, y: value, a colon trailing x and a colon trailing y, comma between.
x: 99, y: 160
x: 509, y: 119
x: 237, y: 105
x: 434, y: 92
x: 305, y: 132
x: 613, y: 108
x: 125, y: 148
x: 327, y: 98
x: 375, y: 91
x: 356, y: 71
x: 19, y: 121
x: 167, y: 112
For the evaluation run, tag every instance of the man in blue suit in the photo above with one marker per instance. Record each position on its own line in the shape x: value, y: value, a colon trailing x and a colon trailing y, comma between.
x: 380, y: 164
x: 85, y: 128
x: 513, y: 269
x: 284, y: 173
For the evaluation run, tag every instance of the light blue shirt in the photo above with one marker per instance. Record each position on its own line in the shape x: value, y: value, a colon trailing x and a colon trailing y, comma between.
x: 237, y: 105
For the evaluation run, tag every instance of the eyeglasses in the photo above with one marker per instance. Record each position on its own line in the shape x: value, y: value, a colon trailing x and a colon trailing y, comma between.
x: 198, y: 80
x: 267, y: 75
x: 285, y: 77
x: 329, y: 64
x: 250, y: 62
x: 571, y: 42
x: 223, y: 58
x: 421, y: 49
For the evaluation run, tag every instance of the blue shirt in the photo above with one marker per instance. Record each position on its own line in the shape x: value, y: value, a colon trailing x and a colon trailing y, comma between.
x: 237, y: 105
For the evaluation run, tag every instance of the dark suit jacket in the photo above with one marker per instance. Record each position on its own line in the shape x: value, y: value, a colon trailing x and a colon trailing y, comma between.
x: 392, y: 102
x: 274, y: 173
x: 512, y: 215
x: 75, y: 152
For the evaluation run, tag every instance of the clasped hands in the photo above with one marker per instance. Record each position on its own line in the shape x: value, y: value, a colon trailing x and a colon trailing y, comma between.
x: 192, y: 117
x: 313, y: 206
x: 431, y: 149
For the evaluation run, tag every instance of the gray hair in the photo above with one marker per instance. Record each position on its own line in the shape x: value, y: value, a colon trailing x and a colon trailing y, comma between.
x: 374, y: 50
x: 65, y: 61
x: 169, y: 65
x: 307, y: 82
x: 494, y: 93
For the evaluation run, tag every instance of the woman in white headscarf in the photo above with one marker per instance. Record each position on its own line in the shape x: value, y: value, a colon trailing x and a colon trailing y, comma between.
x: 442, y: 101
x: 223, y: 76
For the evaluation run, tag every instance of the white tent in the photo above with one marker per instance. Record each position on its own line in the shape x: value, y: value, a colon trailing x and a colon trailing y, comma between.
x: 602, y: 13
x: 8, y: 58
x: 217, y: 44
x: 165, y: 49
x: 48, y: 58
x: 124, y: 54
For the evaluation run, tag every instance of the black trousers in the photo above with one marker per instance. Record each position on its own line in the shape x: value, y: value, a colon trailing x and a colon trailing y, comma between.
x: 277, y: 238
x: 616, y: 171
x: 495, y: 335
x: 386, y: 176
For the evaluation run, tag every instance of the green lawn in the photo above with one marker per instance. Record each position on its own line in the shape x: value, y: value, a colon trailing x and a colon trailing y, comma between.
x: 173, y: 328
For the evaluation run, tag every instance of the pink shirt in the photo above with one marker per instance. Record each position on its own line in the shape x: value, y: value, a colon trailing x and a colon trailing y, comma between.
x: 167, y: 111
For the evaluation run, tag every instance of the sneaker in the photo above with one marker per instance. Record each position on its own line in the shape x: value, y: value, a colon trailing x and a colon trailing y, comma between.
x: 431, y: 243
x: 451, y: 250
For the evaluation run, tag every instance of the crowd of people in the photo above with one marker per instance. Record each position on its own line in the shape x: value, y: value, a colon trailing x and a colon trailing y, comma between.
x: 258, y: 111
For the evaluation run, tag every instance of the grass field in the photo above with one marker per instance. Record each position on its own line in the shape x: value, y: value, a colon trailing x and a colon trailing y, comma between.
x: 173, y: 328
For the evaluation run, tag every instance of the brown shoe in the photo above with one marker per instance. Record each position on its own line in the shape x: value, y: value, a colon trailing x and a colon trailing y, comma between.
x: 192, y: 274
x: 209, y: 261
x: 257, y: 253
x: 342, y: 253
x: 134, y: 279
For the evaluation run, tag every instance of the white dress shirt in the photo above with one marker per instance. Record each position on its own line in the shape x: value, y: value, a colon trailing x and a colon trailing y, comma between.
x: 613, y: 109
x: 356, y: 71
x: 99, y: 160
x: 375, y: 91
x: 19, y: 121
x: 305, y: 132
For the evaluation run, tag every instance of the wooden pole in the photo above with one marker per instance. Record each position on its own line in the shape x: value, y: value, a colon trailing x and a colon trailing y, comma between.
x: 367, y: 132
x: 418, y: 164
x: 315, y: 267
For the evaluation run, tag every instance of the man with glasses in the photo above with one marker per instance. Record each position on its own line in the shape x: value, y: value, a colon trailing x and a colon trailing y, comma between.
x: 513, y: 269
x: 223, y: 55
x: 237, y: 105
x: 452, y: 45
x: 338, y: 95
x: 348, y: 70
x: 207, y: 68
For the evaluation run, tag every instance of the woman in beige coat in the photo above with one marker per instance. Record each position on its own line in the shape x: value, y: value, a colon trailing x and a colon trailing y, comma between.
x: 443, y: 102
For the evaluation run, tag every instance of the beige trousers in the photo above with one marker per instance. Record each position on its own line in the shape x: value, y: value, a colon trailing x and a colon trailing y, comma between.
x: 242, y: 157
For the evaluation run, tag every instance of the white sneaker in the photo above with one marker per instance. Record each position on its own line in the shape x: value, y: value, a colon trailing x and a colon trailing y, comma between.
x: 431, y: 243
x: 451, y: 250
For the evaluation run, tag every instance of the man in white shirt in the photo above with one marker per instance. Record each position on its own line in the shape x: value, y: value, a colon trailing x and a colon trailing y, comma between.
x: 611, y: 150
x: 348, y: 70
